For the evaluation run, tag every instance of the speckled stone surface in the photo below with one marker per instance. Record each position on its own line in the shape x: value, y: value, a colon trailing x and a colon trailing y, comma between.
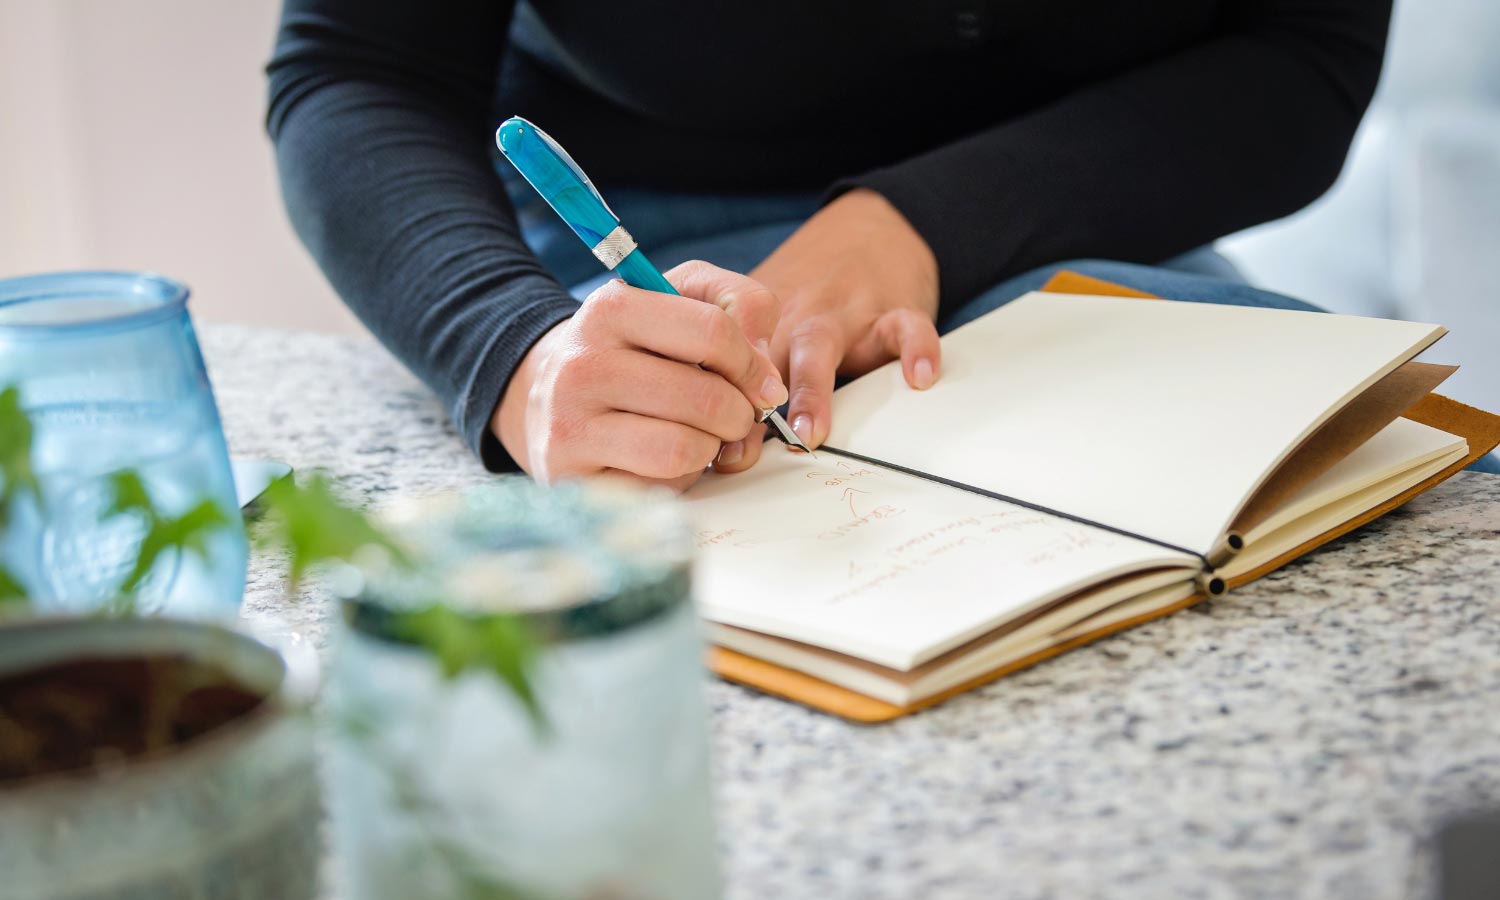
x: 1302, y: 737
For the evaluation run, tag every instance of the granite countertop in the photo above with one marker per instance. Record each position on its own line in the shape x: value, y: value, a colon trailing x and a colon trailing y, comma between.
x: 1302, y: 737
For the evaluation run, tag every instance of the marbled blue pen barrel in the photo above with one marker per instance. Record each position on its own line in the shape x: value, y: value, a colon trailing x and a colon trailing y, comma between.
x: 553, y: 173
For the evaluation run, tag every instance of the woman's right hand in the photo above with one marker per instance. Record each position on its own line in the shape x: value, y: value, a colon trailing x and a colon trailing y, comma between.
x: 647, y: 384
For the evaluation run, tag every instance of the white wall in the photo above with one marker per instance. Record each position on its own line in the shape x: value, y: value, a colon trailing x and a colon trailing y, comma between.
x: 131, y: 137
x: 1412, y: 229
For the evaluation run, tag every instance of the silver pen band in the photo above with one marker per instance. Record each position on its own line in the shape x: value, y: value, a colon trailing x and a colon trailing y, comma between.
x: 616, y: 245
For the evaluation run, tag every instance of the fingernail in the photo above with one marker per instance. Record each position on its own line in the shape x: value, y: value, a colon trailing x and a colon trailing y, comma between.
x: 921, y: 374
x: 773, y: 391
x: 731, y: 453
x: 803, y: 426
x: 764, y: 346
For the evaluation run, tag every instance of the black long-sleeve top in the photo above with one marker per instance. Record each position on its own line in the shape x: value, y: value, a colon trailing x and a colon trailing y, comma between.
x: 1010, y: 133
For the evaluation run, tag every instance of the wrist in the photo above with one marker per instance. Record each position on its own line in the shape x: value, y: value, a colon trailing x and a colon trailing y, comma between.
x: 900, y: 239
x: 509, y: 421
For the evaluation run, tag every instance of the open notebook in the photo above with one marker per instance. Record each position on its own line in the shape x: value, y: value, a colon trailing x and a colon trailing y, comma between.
x: 1085, y: 462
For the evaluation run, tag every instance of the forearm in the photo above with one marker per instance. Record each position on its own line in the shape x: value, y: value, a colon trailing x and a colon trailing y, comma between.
x: 1242, y: 129
x: 387, y: 180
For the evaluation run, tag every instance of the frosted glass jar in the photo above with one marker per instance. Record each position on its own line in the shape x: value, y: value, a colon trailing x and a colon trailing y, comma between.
x: 444, y: 784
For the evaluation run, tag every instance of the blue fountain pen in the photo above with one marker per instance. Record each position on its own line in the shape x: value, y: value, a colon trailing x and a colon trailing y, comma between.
x: 554, y: 174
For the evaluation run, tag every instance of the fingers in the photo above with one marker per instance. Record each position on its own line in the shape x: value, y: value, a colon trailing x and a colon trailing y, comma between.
x: 737, y: 456
x: 755, y: 308
x: 651, y: 448
x: 913, y: 337
x: 657, y: 386
x: 815, y: 350
x: 675, y: 485
x: 683, y: 329
x: 664, y: 389
x: 749, y: 303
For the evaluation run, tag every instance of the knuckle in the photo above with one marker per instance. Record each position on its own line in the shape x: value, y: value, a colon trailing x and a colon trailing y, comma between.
x: 746, y: 296
x: 589, y: 321
x: 579, y: 369
x: 718, y: 327
x: 677, y: 458
x: 562, y: 429
x: 727, y: 413
x: 606, y: 303
x: 686, y: 454
x: 707, y: 402
x: 691, y: 268
x: 759, y: 295
x: 804, y: 397
x: 817, y: 330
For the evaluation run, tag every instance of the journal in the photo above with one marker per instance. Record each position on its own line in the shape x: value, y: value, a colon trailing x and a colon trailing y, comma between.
x: 1085, y: 462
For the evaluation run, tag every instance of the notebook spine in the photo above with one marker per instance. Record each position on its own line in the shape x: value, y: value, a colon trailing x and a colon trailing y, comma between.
x: 1210, y: 582
x: 1231, y: 544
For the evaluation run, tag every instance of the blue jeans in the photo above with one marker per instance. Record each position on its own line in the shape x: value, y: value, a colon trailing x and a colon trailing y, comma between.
x: 738, y: 231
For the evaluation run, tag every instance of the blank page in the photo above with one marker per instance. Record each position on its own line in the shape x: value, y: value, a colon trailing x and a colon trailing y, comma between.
x: 1156, y: 417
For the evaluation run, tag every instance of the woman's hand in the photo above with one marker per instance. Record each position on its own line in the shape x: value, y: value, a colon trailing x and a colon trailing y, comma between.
x: 644, y: 383
x: 858, y: 287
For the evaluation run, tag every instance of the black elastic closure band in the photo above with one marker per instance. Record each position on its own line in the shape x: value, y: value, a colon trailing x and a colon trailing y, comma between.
x: 1211, y: 582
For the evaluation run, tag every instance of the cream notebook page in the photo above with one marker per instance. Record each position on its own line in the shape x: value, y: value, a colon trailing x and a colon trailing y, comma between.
x: 1403, y: 453
x: 1078, y: 403
x: 1156, y: 417
x: 885, y: 566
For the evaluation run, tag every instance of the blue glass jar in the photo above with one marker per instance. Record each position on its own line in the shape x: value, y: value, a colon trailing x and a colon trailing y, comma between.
x: 110, y: 375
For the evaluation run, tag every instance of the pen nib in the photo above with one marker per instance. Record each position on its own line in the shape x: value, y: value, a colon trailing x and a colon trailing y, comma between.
x: 785, y: 432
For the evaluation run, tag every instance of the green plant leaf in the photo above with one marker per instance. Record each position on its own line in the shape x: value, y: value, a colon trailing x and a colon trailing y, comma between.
x: 187, y: 533
x: 17, y: 476
x: 130, y: 494
x: 504, y: 646
x: 12, y: 593
x: 315, y: 526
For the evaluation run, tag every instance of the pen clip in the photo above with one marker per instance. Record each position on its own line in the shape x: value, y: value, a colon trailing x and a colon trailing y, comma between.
x: 568, y: 161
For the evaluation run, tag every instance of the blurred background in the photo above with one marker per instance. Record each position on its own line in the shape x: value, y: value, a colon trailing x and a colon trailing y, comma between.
x: 131, y: 137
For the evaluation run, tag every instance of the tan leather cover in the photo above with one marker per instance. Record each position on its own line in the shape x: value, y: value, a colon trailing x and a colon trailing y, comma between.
x: 1481, y: 429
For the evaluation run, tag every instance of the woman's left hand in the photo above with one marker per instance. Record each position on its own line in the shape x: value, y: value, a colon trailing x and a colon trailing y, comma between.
x: 858, y: 287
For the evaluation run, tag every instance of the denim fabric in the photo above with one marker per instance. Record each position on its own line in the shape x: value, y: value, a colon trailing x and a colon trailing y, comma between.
x: 1160, y: 280
x: 737, y: 232
x: 731, y: 231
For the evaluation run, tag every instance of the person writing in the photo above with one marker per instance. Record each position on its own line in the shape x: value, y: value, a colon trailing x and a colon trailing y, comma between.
x: 881, y: 172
